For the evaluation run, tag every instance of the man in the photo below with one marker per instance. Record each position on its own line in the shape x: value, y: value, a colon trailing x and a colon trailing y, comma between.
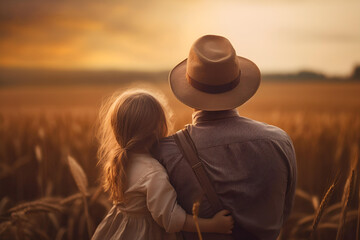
x: 250, y: 164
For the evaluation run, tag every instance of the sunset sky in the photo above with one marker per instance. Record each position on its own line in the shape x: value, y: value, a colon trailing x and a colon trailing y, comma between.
x: 279, y: 35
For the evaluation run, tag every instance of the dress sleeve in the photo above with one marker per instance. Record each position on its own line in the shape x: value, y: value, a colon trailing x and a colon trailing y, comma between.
x: 161, y: 201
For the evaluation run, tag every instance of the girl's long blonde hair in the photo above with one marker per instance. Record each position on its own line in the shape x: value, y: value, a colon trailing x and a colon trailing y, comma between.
x: 131, y: 121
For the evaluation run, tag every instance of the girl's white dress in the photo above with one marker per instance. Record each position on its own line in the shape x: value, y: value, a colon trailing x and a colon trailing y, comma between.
x: 150, y: 212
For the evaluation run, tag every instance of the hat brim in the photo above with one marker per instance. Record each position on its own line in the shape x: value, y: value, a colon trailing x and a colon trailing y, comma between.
x: 249, y: 83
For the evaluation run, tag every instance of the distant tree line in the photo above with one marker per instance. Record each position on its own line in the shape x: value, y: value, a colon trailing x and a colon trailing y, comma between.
x: 356, y: 73
x: 311, y: 75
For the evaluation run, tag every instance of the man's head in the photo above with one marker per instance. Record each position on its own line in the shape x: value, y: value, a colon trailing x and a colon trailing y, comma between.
x: 213, y: 77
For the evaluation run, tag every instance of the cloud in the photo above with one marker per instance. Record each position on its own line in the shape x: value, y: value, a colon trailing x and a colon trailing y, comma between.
x: 321, y: 36
x: 157, y: 34
x: 49, y: 34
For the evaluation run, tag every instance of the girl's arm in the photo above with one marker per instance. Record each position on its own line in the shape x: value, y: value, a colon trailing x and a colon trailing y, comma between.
x: 220, y: 223
x: 161, y: 203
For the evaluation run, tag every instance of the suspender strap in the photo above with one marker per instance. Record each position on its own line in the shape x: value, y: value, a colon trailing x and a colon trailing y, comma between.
x: 188, y: 149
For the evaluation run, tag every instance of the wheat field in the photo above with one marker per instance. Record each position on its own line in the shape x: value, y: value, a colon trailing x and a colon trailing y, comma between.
x: 49, y: 181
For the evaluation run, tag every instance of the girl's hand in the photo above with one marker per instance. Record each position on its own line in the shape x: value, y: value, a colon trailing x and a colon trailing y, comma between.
x: 222, y: 222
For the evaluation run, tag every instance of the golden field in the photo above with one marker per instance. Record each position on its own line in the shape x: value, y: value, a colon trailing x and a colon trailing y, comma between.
x: 40, y: 127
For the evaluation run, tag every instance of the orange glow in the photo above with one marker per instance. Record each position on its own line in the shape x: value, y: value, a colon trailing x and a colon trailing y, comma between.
x: 155, y: 35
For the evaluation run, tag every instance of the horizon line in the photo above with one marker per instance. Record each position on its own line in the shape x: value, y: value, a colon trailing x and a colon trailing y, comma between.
x: 131, y: 70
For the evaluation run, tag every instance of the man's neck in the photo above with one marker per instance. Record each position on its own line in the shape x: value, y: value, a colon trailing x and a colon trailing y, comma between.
x: 199, y: 116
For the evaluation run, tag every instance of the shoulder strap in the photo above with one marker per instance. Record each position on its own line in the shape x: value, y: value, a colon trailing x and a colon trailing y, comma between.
x: 188, y: 149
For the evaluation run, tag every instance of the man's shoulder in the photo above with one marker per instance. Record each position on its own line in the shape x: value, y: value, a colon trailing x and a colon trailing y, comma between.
x: 165, y: 149
x: 241, y: 131
x: 236, y: 130
x: 256, y: 130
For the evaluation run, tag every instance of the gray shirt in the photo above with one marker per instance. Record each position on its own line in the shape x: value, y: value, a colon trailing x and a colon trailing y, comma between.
x: 251, y: 165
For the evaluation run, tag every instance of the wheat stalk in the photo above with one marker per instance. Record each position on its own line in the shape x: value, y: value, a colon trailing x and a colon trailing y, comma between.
x: 321, y: 208
x: 324, y: 203
x: 304, y: 195
x: 82, y: 183
x: 351, y: 215
x: 315, y: 202
x: 358, y: 218
x: 41, y: 205
x: 356, y: 165
x: 327, y: 226
x: 349, y: 186
x: 60, y: 234
x: 96, y: 195
x: 38, y: 153
x: 79, y: 175
x: 3, y: 203
x: 301, y: 223
x: 195, y: 211
x: 89, y: 223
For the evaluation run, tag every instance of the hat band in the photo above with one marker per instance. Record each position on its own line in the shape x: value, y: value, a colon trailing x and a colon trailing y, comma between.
x: 214, y: 88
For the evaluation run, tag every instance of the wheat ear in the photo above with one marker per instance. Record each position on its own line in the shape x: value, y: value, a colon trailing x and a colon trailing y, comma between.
x: 195, y: 211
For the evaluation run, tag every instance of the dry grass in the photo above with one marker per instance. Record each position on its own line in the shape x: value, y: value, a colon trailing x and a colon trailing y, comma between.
x: 195, y: 212
x: 320, y: 209
x: 44, y: 194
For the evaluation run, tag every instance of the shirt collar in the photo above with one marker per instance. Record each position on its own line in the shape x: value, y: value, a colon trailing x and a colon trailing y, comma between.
x: 206, y: 116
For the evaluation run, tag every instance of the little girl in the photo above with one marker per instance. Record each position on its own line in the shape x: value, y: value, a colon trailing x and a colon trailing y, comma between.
x: 145, y: 204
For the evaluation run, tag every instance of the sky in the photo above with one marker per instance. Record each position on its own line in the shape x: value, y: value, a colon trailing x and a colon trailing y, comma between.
x: 153, y: 35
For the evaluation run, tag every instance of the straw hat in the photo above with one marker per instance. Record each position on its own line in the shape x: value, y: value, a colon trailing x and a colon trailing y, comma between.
x: 213, y: 77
